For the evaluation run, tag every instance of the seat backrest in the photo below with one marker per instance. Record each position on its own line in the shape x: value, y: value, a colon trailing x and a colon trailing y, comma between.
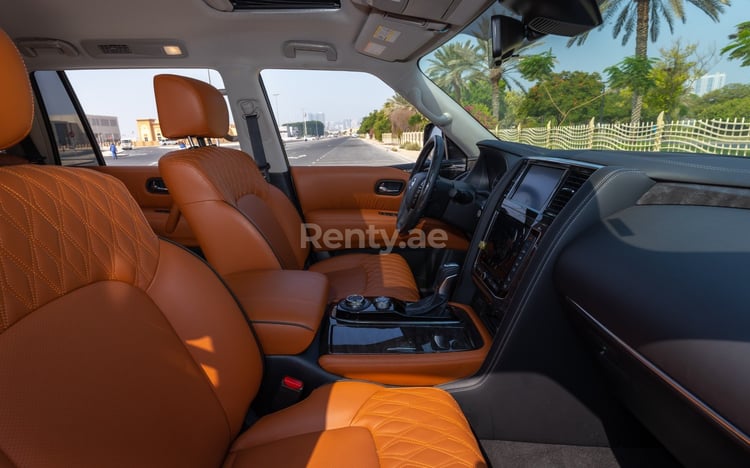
x: 241, y: 221
x: 116, y: 348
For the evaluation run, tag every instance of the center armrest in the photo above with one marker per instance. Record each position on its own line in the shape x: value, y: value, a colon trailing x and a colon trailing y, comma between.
x: 286, y: 307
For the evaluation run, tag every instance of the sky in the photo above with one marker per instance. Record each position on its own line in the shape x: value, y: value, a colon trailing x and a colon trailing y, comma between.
x: 128, y: 94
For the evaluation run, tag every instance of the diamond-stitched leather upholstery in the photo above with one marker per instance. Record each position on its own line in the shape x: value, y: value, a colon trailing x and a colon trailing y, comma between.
x: 58, y: 233
x: 132, y: 353
x: 229, y: 181
x: 411, y: 425
x: 242, y: 222
x: 416, y: 427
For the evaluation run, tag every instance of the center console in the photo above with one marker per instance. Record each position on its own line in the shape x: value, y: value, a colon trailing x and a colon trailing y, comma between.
x: 383, y: 325
x: 530, y: 202
x: 393, y: 342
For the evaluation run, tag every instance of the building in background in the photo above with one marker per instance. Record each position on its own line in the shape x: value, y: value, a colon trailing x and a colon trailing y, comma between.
x: 708, y: 83
x: 106, y: 128
x: 149, y: 131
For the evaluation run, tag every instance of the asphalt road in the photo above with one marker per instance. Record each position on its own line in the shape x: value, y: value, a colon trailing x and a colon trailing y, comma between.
x: 340, y: 151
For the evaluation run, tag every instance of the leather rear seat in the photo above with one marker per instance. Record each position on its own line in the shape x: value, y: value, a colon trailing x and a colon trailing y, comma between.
x: 121, y: 349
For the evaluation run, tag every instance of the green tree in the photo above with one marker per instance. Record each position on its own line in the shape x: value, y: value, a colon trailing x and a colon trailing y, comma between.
x: 615, y: 106
x: 513, y: 101
x: 739, y: 48
x: 483, y: 114
x: 499, y: 77
x: 673, y: 76
x: 537, y: 67
x: 643, y: 17
x: 375, y: 124
x: 632, y: 74
x: 566, y: 96
x: 454, y: 64
x: 731, y: 101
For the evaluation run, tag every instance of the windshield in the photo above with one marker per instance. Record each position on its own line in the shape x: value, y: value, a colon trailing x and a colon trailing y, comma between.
x: 661, y: 88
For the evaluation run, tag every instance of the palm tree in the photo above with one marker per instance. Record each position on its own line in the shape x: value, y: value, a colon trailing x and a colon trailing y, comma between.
x: 643, y: 17
x: 495, y: 74
x: 739, y: 48
x: 400, y: 112
x: 453, y: 64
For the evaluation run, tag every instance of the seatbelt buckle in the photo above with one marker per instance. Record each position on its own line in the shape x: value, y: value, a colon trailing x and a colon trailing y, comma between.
x: 289, y: 393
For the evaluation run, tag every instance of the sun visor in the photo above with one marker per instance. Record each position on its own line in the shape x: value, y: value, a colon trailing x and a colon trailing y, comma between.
x: 394, y: 38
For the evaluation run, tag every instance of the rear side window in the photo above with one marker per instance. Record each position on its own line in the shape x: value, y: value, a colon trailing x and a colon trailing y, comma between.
x: 121, y: 110
x: 70, y: 137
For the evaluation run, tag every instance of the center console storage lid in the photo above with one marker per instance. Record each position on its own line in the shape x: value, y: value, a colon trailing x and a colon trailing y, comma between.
x: 412, y: 368
x: 286, y: 307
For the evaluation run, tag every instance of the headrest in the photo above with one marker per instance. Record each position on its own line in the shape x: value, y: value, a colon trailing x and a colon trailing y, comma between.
x: 16, y: 100
x: 189, y: 108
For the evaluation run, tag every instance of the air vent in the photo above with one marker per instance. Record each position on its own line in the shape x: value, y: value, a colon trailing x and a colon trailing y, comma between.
x: 285, y: 4
x: 575, y: 178
x: 115, y: 49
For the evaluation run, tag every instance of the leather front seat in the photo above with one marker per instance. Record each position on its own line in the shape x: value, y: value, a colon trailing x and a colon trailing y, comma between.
x: 241, y: 221
x: 121, y: 349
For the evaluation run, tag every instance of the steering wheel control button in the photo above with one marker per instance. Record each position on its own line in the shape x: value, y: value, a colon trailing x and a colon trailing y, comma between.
x: 383, y: 303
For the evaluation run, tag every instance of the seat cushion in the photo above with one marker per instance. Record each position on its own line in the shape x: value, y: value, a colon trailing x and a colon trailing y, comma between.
x: 369, y: 275
x: 361, y: 424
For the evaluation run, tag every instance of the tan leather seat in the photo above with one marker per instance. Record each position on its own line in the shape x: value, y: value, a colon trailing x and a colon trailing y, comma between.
x: 241, y: 221
x: 121, y: 349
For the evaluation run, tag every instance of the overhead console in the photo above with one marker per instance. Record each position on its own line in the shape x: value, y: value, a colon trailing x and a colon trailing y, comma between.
x: 540, y: 189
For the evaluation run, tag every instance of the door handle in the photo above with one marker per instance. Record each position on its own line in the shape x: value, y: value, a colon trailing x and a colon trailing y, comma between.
x: 389, y: 187
x: 156, y: 185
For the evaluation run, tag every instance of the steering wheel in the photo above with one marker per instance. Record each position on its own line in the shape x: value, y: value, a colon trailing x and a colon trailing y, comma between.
x: 421, y: 184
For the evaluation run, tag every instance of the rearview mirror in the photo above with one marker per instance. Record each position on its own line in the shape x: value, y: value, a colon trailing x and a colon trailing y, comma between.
x: 507, y: 35
x: 539, y: 18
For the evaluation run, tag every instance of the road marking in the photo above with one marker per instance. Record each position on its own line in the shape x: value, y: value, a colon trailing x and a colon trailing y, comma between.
x: 297, y: 157
x: 154, y: 163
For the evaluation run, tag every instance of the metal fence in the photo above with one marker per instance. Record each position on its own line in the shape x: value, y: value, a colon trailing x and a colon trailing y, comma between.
x: 715, y: 136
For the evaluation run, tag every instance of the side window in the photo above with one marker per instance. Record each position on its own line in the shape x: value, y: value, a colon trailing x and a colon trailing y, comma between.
x: 339, y: 118
x: 73, y: 145
x: 121, y: 110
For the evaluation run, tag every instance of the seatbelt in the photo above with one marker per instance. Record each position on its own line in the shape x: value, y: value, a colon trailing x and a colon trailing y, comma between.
x: 253, y: 129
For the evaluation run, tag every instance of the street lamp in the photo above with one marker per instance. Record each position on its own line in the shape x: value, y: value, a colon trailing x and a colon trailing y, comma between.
x: 278, y: 112
x: 304, y: 124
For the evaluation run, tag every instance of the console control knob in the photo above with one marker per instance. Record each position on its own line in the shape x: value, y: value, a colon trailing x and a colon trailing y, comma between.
x: 355, y: 301
x: 383, y: 303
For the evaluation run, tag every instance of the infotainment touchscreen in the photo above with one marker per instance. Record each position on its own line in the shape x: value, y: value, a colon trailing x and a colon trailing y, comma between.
x: 536, y: 187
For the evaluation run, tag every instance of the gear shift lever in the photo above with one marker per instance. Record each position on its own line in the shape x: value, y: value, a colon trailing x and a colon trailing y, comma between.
x: 434, y: 305
x: 446, y: 279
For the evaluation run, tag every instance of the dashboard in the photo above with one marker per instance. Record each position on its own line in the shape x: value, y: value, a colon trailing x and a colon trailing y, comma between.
x: 633, y: 264
x: 532, y: 200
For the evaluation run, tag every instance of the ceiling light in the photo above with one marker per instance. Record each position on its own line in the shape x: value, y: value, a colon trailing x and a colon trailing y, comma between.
x: 172, y: 50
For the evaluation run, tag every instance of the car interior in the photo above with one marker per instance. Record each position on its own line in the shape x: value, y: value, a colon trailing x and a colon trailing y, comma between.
x: 584, y: 307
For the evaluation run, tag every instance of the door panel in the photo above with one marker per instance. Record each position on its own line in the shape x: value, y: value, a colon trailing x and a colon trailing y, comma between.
x: 340, y: 198
x: 155, y: 204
